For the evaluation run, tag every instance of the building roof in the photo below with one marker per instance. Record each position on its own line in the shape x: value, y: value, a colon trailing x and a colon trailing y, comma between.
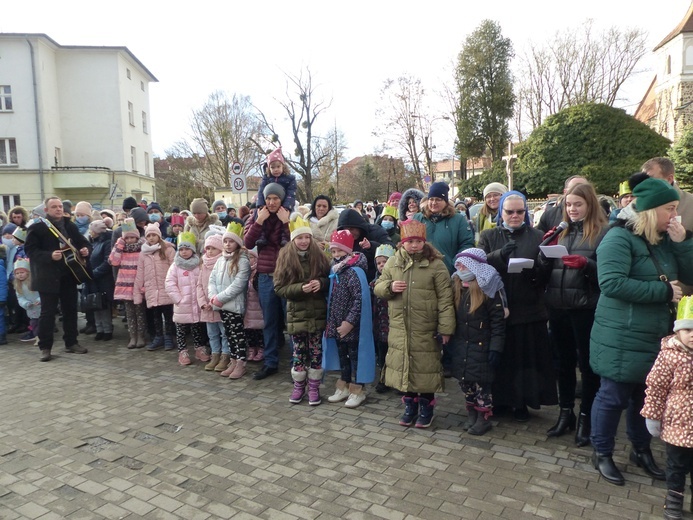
x: 476, y: 163
x: 55, y: 44
x: 647, y: 109
x: 684, y: 26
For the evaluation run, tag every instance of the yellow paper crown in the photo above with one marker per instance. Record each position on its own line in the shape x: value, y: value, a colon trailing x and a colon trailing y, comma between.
x: 187, y: 239
x: 390, y: 211
x: 624, y: 189
x: 299, y: 226
x: 685, y: 310
x: 235, y: 228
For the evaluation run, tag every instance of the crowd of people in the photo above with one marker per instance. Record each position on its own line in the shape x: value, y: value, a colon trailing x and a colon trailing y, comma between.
x: 401, y: 295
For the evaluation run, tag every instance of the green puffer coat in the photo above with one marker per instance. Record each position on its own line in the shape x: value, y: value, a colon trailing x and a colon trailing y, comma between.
x: 423, y: 310
x: 632, y: 313
x: 305, y: 312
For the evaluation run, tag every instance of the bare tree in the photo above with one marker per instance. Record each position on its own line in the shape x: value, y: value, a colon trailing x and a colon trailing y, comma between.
x: 333, y: 152
x: 577, y: 66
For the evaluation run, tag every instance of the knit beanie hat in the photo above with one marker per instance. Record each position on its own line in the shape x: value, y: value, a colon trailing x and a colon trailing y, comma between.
x: 199, y: 206
x: 394, y: 199
x: 218, y: 203
x: 108, y: 212
x: 652, y: 193
x: 275, y: 155
x: 385, y: 250
x: 19, y: 234
x: 215, y: 240
x: 274, y: 188
x: 177, y: 220
x: 495, y: 187
x: 187, y: 239
x: 154, y: 205
x: 439, y: 190
x: 474, y: 259
x: 22, y: 263
x: 9, y: 229
x: 109, y: 222
x: 342, y: 239
x: 129, y: 228
x: 139, y: 215
x: 152, y: 228
x: 684, y: 315
x: 129, y: 203
x: 412, y: 230
x: 298, y: 226
x: 235, y: 231
x: 83, y: 207
x: 97, y: 227
x: 67, y: 206
x: 390, y: 211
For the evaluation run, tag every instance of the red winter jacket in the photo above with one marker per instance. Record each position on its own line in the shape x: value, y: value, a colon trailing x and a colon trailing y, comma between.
x: 272, y: 229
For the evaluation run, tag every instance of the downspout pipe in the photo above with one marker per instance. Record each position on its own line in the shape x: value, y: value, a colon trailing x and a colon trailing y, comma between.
x: 38, y: 127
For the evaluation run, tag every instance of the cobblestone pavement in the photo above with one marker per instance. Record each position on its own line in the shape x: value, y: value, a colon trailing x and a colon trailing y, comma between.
x: 130, y: 434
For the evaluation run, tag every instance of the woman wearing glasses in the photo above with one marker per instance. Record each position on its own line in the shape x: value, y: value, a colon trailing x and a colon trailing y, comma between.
x: 525, y: 377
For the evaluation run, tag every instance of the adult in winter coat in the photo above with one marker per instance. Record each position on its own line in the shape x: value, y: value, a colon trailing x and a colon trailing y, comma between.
x: 198, y: 223
x: 410, y: 204
x: 102, y: 278
x: 446, y: 229
x: 323, y: 219
x: 525, y: 376
x: 367, y: 237
x: 571, y: 296
x: 640, y: 264
x: 486, y: 218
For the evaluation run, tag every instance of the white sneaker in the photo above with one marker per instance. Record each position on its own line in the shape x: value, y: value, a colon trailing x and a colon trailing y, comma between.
x: 339, y: 395
x: 355, y: 400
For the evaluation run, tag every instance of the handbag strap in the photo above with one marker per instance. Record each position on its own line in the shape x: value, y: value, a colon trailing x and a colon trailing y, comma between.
x: 662, y: 276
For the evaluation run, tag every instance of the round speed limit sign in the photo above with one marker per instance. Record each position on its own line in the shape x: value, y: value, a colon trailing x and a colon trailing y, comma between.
x: 239, y: 183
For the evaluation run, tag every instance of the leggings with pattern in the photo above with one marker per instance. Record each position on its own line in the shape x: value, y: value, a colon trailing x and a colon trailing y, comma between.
x: 137, y: 321
x: 233, y: 325
x: 307, y: 350
x: 182, y: 330
x: 477, y: 395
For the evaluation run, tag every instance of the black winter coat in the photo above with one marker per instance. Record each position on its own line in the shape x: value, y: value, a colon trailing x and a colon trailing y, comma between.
x: 39, y: 246
x: 375, y: 234
x: 102, y: 272
x: 475, y: 335
x: 569, y: 288
x: 525, y: 289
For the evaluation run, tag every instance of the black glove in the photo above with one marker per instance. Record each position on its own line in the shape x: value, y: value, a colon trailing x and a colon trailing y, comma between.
x: 507, y: 249
x: 494, y: 359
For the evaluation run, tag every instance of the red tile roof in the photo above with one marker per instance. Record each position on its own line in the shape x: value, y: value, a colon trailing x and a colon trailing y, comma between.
x: 684, y: 26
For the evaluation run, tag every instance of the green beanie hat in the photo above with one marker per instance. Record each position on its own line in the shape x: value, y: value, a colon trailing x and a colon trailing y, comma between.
x: 652, y: 193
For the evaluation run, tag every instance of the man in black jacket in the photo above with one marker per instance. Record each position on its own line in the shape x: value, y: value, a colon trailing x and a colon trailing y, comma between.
x: 51, y: 277
x: 367, y: 237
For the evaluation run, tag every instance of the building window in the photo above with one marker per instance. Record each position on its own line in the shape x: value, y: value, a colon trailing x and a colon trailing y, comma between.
x: 146, y: 163
x: 142, y: 85
x: 667, y: 67
x: 131, y: 114
x: 133, y: 158
x: 127, y: 73
x: 57, y: 158
x: 5, y: 98
x: 8, y: 152
x: 145, y: 128
x: 10, y: 201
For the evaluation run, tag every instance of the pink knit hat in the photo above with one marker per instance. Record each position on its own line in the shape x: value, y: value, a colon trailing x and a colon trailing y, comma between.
x: 152, y: 228
x: 342, y: 239
x: 215, y: 240
x: 276, y: 155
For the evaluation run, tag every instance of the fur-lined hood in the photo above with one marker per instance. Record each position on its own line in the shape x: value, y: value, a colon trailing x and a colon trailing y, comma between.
x: 411, y: 193
x: 23, y: 211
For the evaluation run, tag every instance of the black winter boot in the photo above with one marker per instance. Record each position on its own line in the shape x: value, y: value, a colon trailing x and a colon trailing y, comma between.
x: 584, y: 428
x: 472, y: 415
x: 566, y: 421
x: 425, y: 412
x: 644, y: 459
x: 483, y: 422
x: 673, y: 505
x: 411, y: 410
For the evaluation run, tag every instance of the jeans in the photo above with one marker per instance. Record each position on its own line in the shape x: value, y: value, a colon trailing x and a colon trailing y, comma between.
x: 272, y: 311
x: 217, y: 338
x: 611, y: 399
x: 67, y: 296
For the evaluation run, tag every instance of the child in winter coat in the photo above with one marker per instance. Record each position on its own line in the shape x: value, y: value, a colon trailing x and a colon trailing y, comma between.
x: 417, y: 284
x: 125, y: 256
x: 667, y: 411
x: 4, y: 289
x: 150, y: 284
x: 227, y: 288
x: 277, y: 171
x: 349, y: 332
x: 175, y: 229
x: 181, y: 286
x: 479, y: 335
x: 215, y: 328
x: 28, y: 300
x: 381, y: 320
x: 301, y: 278
x: 253, y: 321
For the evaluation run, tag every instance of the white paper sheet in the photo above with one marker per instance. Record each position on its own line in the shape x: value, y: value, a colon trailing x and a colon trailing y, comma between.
x: 557, y: 251
x: 516, y: 265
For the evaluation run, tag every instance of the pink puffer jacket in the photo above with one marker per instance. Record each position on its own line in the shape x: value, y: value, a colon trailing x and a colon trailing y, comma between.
x: 150, y: 282
x: 181, y: 286
x: 253, y: 312
x: 207, y: 316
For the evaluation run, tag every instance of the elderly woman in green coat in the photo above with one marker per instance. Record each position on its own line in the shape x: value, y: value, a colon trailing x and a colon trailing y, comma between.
x: 418, y: 287
x: 640, y: 262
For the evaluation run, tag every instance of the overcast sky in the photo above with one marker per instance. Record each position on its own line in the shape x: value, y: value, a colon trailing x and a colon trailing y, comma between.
x: 195, y: 48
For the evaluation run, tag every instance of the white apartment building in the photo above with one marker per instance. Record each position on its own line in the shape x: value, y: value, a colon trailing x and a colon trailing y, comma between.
x: 74, y: 122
